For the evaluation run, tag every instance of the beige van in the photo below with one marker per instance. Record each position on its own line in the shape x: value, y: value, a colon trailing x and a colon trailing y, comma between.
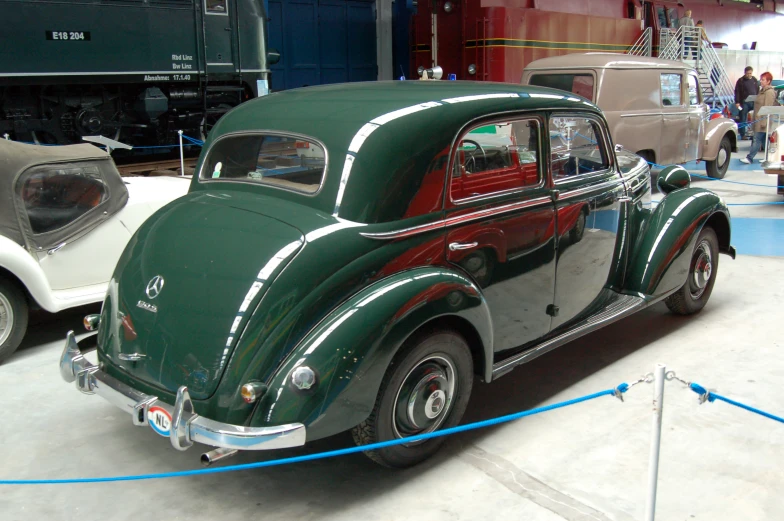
x: 653, y: 107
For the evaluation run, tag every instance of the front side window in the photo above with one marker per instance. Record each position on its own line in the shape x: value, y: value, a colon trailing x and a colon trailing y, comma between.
x: 694, y: 90
x: 576, y: 147
x: 662, y: 14
x: 216, y: 6
x: 57, y: 197
x: 580, y: 84
x: 675, y: 21
x: 496, y: 158
x: 293, y: 163
x: 671, y: 89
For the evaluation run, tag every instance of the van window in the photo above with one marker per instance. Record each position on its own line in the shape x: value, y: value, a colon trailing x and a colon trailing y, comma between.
x: 694, y: 97
x: 580, y: 84
x: 671, y: 89
x: 576, y: 147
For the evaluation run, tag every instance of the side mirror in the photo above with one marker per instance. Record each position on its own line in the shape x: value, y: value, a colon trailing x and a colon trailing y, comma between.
x: 672, y: 178
x: 273, y: 57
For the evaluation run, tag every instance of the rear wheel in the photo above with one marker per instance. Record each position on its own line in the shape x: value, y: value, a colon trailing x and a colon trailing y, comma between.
x: 426, y: 388
x: 13, y: 318
x: 704, y: 264
x: 718, y: 168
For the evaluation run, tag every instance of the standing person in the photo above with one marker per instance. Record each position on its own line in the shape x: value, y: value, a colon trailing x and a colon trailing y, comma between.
x: 766, y: 98
x: 747, y: 85
x: 688, y: 40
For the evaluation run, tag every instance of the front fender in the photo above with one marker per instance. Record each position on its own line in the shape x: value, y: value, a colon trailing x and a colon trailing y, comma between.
x: 660, y: 257
x: 352, y: 348
x: 715, y: 130
x: 24, y: 266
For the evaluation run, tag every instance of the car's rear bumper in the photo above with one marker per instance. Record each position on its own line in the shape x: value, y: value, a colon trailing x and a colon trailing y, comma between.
x: 185, y: 426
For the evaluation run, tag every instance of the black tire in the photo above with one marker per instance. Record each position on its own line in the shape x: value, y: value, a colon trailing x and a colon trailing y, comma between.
x: 718, y: 168
x: 13, y: 318
x: 696, y: 291
x: 426, y: 355
x: 576, y: 233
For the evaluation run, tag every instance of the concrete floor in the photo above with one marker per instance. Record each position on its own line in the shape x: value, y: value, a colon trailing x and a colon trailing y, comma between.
x: 584, y: 462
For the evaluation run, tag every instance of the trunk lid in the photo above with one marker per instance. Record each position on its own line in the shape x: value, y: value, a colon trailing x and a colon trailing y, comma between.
x: 192, y: 277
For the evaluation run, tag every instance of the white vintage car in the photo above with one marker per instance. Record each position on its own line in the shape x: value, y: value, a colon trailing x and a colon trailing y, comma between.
x: 65, y: 218
x: 774, y: 153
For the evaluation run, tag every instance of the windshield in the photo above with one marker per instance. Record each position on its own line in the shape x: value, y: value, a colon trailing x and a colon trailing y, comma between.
x: 580, y: 84
x: 289, y: 162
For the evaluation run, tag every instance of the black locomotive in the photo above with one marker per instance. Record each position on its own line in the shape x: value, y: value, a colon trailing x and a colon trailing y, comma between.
x: 136, y: 71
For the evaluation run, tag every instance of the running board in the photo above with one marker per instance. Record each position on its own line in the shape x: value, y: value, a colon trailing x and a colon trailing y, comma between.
x: 624, y: 306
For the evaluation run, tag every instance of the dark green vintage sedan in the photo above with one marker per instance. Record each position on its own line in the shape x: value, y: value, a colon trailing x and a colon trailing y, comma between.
x: 352, y: 257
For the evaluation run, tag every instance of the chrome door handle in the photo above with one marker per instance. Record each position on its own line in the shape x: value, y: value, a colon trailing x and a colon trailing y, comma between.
x: 455, y: 246
x: 624, y: 199
x: 53, y: 250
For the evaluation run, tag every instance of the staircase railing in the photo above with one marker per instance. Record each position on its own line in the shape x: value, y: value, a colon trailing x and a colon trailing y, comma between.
x: 643, y: 45
x: 688, y: 46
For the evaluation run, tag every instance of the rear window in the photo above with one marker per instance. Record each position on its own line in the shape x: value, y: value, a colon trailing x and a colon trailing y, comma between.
x: 580, y: 84
x: 289, y: 162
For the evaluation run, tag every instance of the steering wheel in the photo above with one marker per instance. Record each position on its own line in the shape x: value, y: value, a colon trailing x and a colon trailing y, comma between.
x: 478, y: 147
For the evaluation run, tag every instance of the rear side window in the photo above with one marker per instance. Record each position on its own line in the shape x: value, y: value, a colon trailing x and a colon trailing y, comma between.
x: 694, y: 88
x: 292, y: 163
x: 671, y: 89
x: 496, y: 158
x: 580, y: 84
x: 56, y: 198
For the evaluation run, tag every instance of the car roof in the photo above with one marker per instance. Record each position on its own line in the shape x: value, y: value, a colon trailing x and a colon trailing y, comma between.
x: 604, y: 60
x: 373, y: 130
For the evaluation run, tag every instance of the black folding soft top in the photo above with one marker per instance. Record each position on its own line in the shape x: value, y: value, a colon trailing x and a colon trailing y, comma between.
x: 19, y: 163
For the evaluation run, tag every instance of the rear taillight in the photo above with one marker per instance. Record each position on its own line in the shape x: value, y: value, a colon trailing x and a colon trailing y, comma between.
x: 715, y: 115
x: 774, y: 137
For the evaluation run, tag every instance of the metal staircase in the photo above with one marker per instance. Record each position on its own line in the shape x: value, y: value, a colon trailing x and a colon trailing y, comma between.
x: 686, y: 45
x: 643, y: 45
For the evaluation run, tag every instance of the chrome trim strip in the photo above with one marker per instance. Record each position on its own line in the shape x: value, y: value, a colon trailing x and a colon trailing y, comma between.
x: 636, y: 115
x: 624, y: 306
x: 457, y: 220
x: 188, y: 427
x: 588, y: 189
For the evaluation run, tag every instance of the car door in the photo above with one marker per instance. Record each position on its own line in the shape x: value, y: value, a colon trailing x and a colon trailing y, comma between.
x: 698, y: 112
x: 675, y: 119
x: 501, y: 222
x: 590, y: 192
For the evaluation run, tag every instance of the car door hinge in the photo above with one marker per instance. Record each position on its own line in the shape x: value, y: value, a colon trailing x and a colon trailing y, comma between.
x: 552, y: 310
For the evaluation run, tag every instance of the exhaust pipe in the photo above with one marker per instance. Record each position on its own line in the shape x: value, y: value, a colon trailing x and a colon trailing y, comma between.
x: 208, y: 458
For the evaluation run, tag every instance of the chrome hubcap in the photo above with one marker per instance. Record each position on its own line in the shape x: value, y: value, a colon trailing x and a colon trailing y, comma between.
x: 722, y: 156
x: 702, y: 269
x: 424, y: 399
x: 6, y: 318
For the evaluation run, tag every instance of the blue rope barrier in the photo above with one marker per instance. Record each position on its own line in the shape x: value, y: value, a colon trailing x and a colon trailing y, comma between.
x: 622, y: 388
x: 711, y: 397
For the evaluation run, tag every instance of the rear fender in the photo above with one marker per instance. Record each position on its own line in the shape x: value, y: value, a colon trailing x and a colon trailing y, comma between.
x: 19, y: 262
x: 715, y: 130
x: 352, y: 348
x: 660, y: 257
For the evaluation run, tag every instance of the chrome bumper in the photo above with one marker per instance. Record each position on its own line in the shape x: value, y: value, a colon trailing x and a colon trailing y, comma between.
x: 185, y: 426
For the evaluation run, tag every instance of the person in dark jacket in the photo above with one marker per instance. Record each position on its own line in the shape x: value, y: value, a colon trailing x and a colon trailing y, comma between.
x: 747, y: 85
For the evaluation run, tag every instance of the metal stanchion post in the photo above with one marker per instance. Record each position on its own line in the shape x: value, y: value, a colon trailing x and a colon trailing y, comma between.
x: 653, y: 461
x: 182, y: 160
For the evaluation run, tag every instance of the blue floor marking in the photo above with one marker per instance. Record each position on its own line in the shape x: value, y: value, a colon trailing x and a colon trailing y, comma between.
x: 758, y: 236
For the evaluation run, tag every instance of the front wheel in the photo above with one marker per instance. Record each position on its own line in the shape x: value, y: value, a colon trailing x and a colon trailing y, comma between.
x: 718, y: 168
x: 704, y: 264
x: 426, y: 388
x: 13, y: 318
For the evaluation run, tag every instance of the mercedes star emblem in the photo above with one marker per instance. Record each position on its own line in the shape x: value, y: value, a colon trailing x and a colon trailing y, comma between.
x: 154, y: 287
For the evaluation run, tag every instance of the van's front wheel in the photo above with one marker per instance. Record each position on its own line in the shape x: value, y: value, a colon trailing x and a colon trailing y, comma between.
x: 718, y: 168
